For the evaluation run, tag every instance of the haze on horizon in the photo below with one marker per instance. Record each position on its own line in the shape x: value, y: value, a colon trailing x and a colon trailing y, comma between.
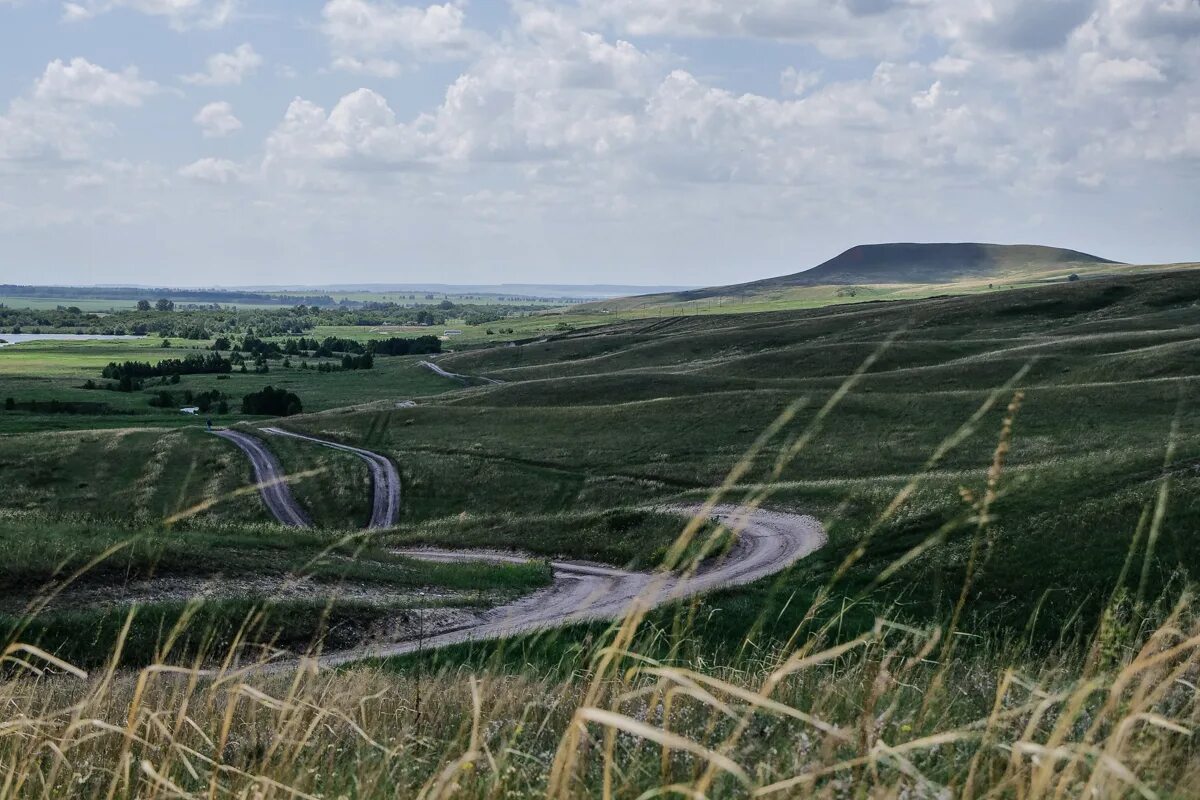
x: 237, y: 142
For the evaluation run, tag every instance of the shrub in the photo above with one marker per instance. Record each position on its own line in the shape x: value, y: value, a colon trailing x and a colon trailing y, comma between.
x: 272, y: 402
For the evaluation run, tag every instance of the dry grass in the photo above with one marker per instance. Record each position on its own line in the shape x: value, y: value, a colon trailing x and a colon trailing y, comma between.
x: 877, y: 716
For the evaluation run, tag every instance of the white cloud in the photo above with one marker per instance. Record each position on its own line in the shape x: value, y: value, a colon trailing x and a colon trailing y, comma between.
x: 836, y: 27
x: 217, y: 120
x: 365, y: 27
x: 56, y: 120
x: 33, y: 132
x: 796, y: 82
x: 81, y: 81
x: 374, y: 67
x: 179, y: 14
x: 217, y: 171
x: 224, y: 69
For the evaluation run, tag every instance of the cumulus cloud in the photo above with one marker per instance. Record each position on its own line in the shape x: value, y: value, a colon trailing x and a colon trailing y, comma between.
x: 180, y: 14
x: 80, y: 81
x: 32, y: 132
x: 836, y: 27
x: 358, y: 28
x: 589, y: 109
x: 224, y: 69
x: 796, y: 82
x: 57, y: 119
x: 217, y: 120
x: 218, y: 171
x: 374, y: 67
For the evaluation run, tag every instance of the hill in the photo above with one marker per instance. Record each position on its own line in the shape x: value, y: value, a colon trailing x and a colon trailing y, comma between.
x: 909, y: 262
x: 895, y: 271
x: 920, y: 263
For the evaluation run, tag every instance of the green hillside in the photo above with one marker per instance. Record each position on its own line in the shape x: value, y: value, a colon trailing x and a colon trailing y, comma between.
x: 909, y: 262
x: 1008, y: 481
x: 896, y: 271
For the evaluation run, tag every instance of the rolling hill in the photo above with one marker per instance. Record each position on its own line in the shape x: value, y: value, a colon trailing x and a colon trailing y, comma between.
x: 908, y: 262
x: 898, y: 270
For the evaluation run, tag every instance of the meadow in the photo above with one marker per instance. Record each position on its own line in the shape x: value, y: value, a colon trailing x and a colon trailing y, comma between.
x: 1005, y: 605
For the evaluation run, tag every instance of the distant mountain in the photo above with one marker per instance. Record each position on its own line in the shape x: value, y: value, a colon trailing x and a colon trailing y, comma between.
x: 907, y: 262
x: 906, y: 266
x: 910, y: 262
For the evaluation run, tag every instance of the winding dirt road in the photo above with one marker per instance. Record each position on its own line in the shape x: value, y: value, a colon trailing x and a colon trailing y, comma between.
x: 385, y: 479
x: 768, y: 542
x: 271, y: 480
x: 429, y: 365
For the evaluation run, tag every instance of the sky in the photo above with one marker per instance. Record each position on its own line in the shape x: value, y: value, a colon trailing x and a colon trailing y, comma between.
x: 688, y: 142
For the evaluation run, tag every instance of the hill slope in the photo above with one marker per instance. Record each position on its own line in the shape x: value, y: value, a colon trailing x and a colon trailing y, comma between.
x: 900, y: 270
x: 909, y: 262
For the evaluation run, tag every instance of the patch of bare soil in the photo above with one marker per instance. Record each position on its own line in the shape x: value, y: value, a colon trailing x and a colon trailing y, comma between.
x: 412, y: 614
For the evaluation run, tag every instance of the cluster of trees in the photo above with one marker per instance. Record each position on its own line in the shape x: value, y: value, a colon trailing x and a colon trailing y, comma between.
x: 205, y: 322
x: 191, y: 364
x: 55, y: 406
x: 204, y: 401
x: 272, y: 402
x: 329, y: 347
x: 396, y: 346
x: 365, y: 361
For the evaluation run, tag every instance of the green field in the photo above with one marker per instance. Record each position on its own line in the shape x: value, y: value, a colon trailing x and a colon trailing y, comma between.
x: 1008, y: 480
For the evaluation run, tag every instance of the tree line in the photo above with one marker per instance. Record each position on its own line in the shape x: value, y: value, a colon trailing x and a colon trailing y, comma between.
x: 166, y: 319
x: 191, y: 364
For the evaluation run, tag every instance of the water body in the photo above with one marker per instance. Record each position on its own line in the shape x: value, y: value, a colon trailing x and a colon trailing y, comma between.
x: 7, y: 339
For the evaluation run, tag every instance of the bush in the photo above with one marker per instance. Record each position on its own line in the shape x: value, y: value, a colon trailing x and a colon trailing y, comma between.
x: 163, y: 399
x: 272, y: 402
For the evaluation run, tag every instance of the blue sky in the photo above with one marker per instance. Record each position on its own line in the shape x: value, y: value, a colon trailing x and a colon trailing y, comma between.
x: 207, y: 142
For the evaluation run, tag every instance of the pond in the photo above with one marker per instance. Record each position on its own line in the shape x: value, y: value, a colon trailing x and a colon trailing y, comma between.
x: 7, y: 339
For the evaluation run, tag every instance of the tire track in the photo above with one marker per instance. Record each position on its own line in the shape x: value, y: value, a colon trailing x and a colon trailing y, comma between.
x: 767, y: 542
x: 385, y: 479
x: 272, y: 482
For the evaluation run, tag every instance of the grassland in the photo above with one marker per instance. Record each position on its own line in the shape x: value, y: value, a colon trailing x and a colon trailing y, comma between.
x: 650, y: 411
x: 1005, y: 605
x: 779, y: 295
x: 59, y: 370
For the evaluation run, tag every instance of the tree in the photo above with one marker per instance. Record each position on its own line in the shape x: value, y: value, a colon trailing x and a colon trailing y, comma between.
x: 273, y: 402
x: 10, y: 404
x: 143, y: 305
x: 166, y: 344
x: 164, y: 304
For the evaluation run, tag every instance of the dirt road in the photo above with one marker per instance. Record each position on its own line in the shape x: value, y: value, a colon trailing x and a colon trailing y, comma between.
x: 769, y: 542
x: 385, y: 479
x: 271, y: 480
x: 429, y: 365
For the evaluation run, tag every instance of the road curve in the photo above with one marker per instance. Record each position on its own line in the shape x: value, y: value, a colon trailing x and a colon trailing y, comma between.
x: 429, y: 365
x: 768, y: 542
x: 272, y: 482
x: 385, y: 479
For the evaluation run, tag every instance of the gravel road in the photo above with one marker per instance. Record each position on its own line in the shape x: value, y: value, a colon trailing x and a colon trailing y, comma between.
x: 385, y: 478
x: 272, y: 482
x: 769, y: 542
x: 429, y: 365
